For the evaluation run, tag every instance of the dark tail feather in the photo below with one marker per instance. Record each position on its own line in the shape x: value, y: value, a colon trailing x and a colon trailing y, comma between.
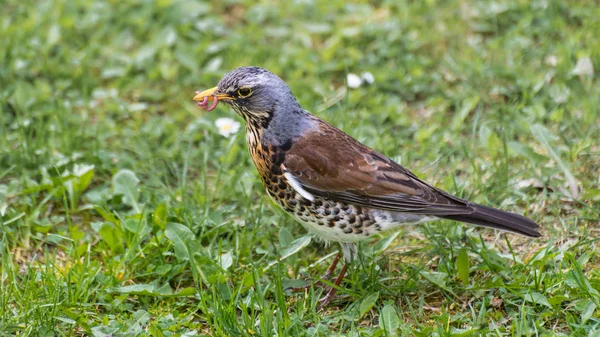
x: 495, y: 218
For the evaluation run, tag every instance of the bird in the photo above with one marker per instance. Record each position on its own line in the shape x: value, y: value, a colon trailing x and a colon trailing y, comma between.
x: 337, y: 188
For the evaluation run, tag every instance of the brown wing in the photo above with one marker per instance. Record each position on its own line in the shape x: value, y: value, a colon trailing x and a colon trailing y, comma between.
x: 329, y: 163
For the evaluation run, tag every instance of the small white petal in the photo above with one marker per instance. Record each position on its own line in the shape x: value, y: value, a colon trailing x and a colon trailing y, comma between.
x: 353, y: 81
x: 20, y: 64
x: 223, y: 121
x: 227, y: 126
x: 367, y: 77
x: 551, y: 60
x: 584, y: 67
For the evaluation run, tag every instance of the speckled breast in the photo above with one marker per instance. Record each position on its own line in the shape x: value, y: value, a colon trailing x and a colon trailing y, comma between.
x: 330, y: 220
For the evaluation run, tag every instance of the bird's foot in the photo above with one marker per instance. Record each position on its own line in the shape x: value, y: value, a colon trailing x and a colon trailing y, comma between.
x: 330, y: 293
x: 324, y: 301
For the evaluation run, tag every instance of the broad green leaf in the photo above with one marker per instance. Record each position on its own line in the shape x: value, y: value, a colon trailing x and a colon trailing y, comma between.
x: 139, y: 319
x: 462, y: 265
x: 65, y: 320
x: 437, y: 278
x: 367, y: 304
x: 70, y: 188
x: 104, y: 331
x: 587, y: 312
x: 139, y: 227
x: 526, y: 152
x: 78, y: 182
x: 454, y: 332
x: 85, y: 174
x: 189, y: 291
x: 159, y: 217
x: 296, y: 246
x: 22, y: 96
x: 285, y: 237
x: 125, y: 183
x: 155, y: 330
x: 537, y: 298
x: 112, y: 235
x: 389, y: 321
x: 141, y: 289
x: 153, y: 290
x: 180, y: 236
x: 296, y: 283
x: 163, y: 269
x: 106, y: 215
x: 132, y: 225
x: 226, y: 260
x: 558, y: 300
x: 591, y: 194
x: 384, y: 243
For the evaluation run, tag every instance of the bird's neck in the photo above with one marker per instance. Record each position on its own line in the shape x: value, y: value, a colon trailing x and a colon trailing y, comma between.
x: 286, y: 126
x: 268, y: 145
x: 254, y: 136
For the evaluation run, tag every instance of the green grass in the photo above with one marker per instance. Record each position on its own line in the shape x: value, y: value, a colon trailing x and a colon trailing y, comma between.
x: 123, y: 212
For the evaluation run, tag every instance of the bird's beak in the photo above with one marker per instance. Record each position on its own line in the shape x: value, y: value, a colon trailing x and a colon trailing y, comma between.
x: 209, y: 95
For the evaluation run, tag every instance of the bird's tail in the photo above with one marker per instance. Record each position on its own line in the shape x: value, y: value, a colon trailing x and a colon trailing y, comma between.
x: 495, y: 218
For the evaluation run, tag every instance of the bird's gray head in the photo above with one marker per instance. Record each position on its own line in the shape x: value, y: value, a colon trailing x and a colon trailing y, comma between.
x: 255, y: 93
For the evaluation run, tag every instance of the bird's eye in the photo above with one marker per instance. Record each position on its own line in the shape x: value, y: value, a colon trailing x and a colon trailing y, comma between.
x: 244, y: 92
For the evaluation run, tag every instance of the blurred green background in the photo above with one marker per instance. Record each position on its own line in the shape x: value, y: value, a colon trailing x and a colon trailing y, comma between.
x: 124, y: 212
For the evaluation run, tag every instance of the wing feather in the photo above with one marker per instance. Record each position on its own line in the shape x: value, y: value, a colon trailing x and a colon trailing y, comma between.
x: 328, y: 163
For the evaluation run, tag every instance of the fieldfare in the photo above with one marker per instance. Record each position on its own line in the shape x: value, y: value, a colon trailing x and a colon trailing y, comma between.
x: 336, y: 187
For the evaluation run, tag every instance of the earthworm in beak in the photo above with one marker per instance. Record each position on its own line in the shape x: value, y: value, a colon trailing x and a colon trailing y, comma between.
x: 203, y: 103
x: 215, y: 102
x: 206, y: 96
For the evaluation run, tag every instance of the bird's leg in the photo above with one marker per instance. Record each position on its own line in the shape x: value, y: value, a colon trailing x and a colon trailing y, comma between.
x: 331, y: 268
x: 349, y: 250
x: 331, y: 292
x: 325, y: 276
